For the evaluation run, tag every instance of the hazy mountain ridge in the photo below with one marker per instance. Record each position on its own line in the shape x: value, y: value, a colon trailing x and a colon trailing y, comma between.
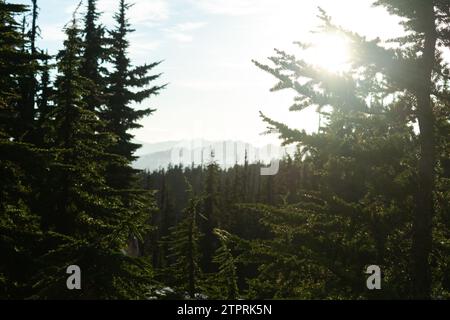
x: 154, y: 156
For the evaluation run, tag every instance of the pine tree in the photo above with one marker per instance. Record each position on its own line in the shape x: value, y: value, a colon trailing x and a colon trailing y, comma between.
x: 45, y: 92
x: 28, y: 82
x: 414, y: 79
x: 347, y: 217
x: 183, y: 243
x: 34, y: 31
x: 226, y: 279
x: 94, y: 53
x: 119, y: 114
x: 86, y: 223
x: 211, y: 216
x: 163, y: 220
x: 19, y: 225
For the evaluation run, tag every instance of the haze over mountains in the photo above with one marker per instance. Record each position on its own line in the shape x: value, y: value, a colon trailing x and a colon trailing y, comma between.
x: 154, y: 156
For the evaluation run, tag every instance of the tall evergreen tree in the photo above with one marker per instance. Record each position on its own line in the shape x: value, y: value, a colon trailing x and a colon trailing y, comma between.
x: 211, y: 216
x: 86, y: 222
x: 94, y: 53
x: 183, y: 243
x: 28, y: 81
x: 349, y: 219
x: 44, y: 98
x: 415, y: 80
x: 119, y: 114
x: 19, y: 226
x: 415, y: 72
x: 162, y: 221
x: 226, y: 279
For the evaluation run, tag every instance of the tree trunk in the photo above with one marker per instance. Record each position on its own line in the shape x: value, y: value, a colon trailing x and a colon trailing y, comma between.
x: 424, y: 209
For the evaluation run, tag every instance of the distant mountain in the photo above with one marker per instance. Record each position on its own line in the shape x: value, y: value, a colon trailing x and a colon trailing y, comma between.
x: 148, y: 148
x: 225, y: 153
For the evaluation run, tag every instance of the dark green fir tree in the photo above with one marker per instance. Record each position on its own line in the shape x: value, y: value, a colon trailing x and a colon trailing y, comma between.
x: 20, y: 231
x: 86, y: 223
x: 94, y: 54
x: 126, y: 85
x: 184, y: 252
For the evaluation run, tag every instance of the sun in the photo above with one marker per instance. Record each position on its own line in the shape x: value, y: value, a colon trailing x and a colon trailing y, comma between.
x: 330, y: 52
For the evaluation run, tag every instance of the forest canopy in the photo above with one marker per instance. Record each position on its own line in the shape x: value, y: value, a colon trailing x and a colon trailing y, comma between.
x: 370, y: 187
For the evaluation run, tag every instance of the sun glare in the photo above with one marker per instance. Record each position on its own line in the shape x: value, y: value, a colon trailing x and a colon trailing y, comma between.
x: 330, y: 52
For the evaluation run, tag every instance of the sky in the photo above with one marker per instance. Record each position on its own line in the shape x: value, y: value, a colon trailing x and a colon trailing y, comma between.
x: 214, y: 90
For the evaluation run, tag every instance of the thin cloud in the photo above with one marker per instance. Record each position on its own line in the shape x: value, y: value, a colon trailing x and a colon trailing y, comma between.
x: 141, y: 11
x: 190, y: 26
x: 143, y: 47
x: 52, y: 32
x: 182, y: 32
x: 235, y: 7
x: 144, y: 11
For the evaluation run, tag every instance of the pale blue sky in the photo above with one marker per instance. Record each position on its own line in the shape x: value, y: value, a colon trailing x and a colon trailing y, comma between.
x: 215, y: 92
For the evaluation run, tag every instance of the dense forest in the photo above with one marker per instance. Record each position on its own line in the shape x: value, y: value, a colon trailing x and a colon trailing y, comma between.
x: 370, y: 187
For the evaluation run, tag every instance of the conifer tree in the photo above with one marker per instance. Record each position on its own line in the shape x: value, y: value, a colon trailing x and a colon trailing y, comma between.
x: 34, y: 27
x: 211, y: 216
x: 226, y: 279
x: 162, y: 222
x: 86, y: 222
x: 348, y: 218
x: 19, y: 225
x: 183, y: 244
x: 415, y: 72
x: 44, y: 99
x: 426, y: 33
x: 414, y: 78
x: 94, y: 53
x: 119, y: 113
x: 28, y: 82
